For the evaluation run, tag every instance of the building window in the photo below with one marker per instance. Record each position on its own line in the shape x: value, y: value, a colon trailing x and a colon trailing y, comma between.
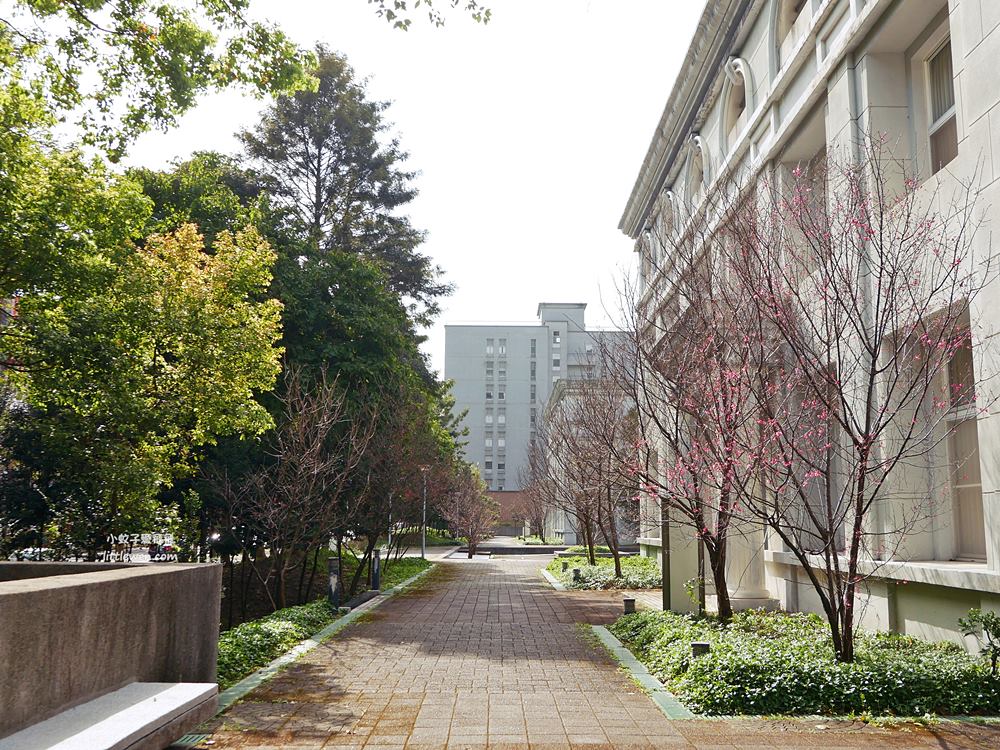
x: 556, y: 339
x: 943, y: 130
x: 501, y: 442
x: 793, y: 23
x: 533, y: 347
x: 532, y: 370
x: 489, y: 347
x: 555, y: 378
x: 736, y: 110
x: 499, y: 488
x: 533, y: 417
x: 555, y: 363
x: 489, y: 370
x: 534, y: 391
x: 489, y: 466
x: 963, y: 447
x: 501, y: 396
x: 503, y: 371
x: 502, y: 416
x: 501, y: 466
x: 489, y: 394
x: 696, y: 175
x: 503, y: 348
x: 489, y: 443
x: 489, y: 416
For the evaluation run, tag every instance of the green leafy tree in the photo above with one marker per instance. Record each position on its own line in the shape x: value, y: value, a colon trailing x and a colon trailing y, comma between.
x: 985, y: 627
x: 166, y: 351
x: 399, y: 12
x: 118, y: 67
x: 328, y: 161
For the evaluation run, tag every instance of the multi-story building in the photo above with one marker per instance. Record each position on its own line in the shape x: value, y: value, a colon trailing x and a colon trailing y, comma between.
x: 503, y: 375
x: 770, y: 85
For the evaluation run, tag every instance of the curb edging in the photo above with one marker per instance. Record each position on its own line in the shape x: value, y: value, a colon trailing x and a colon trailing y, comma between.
x: 665, y: 700
x: 235, y: 692
x: 552, y: 580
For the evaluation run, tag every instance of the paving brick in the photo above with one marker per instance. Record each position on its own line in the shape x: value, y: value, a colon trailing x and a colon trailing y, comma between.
x: 485, y: 654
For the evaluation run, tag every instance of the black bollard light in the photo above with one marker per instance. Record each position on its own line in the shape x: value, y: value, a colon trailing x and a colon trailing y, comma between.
x: 700, y: 648
x: 629, y: 605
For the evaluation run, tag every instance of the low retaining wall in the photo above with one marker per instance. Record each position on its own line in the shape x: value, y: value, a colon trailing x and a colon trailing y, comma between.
x: 70, y: 632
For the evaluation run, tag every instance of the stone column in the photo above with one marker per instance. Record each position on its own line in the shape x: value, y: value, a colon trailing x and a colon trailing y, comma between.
x: 745, y: 568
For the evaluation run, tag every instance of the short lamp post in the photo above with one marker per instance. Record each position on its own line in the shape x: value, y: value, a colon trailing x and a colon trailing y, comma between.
x: 423, y: 524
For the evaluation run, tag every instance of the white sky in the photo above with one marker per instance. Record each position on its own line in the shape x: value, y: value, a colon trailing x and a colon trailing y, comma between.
x: 528, y: 134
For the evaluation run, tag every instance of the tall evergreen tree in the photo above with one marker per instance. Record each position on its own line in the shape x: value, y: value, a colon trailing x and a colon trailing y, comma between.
x: 326, y: 154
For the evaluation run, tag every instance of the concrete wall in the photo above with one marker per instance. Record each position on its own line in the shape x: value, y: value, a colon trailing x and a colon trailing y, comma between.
x: 16, y: 571
x: 66, y: 639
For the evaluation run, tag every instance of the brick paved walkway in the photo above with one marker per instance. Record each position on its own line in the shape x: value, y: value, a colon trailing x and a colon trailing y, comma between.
x: 485, y: 654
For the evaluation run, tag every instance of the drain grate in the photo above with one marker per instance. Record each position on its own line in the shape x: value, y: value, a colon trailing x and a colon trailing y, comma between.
x: 189, y: 741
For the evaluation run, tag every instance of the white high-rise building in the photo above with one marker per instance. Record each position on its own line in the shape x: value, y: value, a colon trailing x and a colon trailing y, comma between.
x: 503, y: 374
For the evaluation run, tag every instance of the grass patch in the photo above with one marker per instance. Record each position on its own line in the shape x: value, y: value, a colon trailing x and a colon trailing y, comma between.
x: 435, y: 538
x: 776, y: 663
x: 637, y: 573
x: 394, y: 572
x: 247, y: 647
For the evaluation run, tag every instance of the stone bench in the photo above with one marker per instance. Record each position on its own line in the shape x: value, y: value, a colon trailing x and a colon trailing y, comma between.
x: 139, y: 716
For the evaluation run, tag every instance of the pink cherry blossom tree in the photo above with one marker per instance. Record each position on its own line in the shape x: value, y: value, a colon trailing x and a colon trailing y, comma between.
x: 861, y: 283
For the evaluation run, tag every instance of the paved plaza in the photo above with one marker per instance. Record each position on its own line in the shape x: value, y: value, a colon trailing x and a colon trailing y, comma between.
x: 485, y: 654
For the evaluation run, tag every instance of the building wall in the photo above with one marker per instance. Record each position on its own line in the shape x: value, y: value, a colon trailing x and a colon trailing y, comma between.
x: 851, y: 67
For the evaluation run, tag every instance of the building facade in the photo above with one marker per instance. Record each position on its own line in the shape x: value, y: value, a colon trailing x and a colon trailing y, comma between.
x: 770, y: 85
x: 503, y: 375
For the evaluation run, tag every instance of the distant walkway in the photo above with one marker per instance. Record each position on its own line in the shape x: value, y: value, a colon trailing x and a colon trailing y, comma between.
x: 485, y: 654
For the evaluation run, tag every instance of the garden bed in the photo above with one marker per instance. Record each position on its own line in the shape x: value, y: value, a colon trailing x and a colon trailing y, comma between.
x: 776, y: 663
x: 637, y: 573
x: 252, y: 645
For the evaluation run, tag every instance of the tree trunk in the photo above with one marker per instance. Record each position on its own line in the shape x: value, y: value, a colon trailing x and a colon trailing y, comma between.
x: 231, y: 562
x: 717, y: 561
x: 302, y: 576
x: 312, y: 573
x: 611, y: 532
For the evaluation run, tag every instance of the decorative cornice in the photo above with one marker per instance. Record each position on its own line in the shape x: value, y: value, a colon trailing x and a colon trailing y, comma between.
x: 716, y: 36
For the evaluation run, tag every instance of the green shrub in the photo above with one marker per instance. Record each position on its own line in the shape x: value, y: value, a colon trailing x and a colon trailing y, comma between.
x: 637, y: 573
x: 536, y: 540
x: 255, y: 644
x: 582, y: 548
x: 775, y: 663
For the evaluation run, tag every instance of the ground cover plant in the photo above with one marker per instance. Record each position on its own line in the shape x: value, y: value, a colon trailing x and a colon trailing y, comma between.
x: 396, y: 571
x: 776, y: 663
x: 637, y: 573
x: 253, y: 645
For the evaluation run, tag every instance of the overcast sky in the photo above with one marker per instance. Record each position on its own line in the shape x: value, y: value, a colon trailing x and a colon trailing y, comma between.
x: 528, y: 134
